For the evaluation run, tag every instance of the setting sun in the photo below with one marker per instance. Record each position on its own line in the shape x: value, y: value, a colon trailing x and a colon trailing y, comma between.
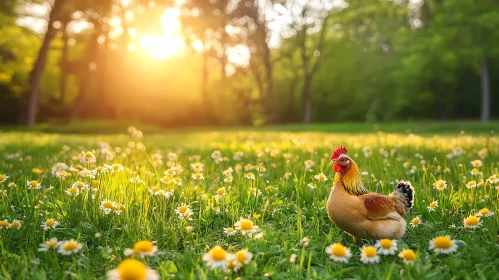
x: 162, y: 46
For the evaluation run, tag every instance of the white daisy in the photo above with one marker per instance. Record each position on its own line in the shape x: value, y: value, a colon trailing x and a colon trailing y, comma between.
x: 246, y: 226
x: 69, y: 247
x: 338, y: 253
x: 443, y: 245
x: 369, y: 255
x: 132, y: 269
x: 217, y: 257
x: 386, y: 246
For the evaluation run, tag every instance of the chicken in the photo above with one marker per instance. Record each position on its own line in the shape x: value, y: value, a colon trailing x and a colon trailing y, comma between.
x: 361, y: 213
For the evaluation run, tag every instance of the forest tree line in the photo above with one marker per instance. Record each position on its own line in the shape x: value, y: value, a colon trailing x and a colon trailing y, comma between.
x: 299, y: 61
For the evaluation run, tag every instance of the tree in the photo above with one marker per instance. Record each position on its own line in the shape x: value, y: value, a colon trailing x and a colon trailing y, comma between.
x: 39, y: 66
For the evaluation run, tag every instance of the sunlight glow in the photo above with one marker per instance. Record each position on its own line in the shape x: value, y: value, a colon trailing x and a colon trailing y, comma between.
x: 167, y: 45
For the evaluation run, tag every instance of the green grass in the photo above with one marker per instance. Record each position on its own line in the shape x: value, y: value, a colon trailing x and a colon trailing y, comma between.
x: 286, y: 211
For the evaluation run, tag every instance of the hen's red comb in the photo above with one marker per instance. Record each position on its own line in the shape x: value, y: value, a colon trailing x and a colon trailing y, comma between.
x: 340, y: 150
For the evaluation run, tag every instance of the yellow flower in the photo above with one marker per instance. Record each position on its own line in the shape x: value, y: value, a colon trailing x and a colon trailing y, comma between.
x: 50, y: 224
x: 47, y: 245
x: 443, y: 245
x: 35, y: 185
x: 217, y: 257
x: 3, y: 178
x: 142, y: 248
x: 440, y: 185
x: 16, y: 224
x: 386, y: 246
x: 229, y: 231
x: 132, y: 269
x: 471, y: 184
x: 69, y: 247
x: 415, y: 222
x: 246, y: 226
x: 485, y: 212
x: 4, y: 224
x: 433, y: 205
x: 408, y: 256
x: 369, y: 255
x: 338, y: 253
x: 472, y: 222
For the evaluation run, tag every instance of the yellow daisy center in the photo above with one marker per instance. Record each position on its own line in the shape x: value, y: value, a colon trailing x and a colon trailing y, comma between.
x: 440, y: 184
x: 339, y: 250
x: 4, y: 224
x: 442, y: 242
x: 2, y: 177
x: 474, y: 170
x: 95, y: 183
x: 416, y: 221
x: 116, y: 166
x: 70, y: 246
x: 433, y: 204
x: 386, y: 243
x: 472, y: 220
x: 231, y: 265
x: 230, y: 230
x: 485, y: 211
x: 131, y: 269
x: 16, y: 224
x: 241, y: 256
x: 80, y: 185
x: 73, y: 190
x: 182, y: 209
x: 33, y: 184
x: 117, y: 207
x: 221, y: 191
x: 107, y: 204
x: 369, y: 251
x: 218, y: 253
x: 246, y: 225
x: 491, y: 178
x: 50, y: 223
x: 408, y: 255
x: 252, y: 190
x: 155, y: 189
x: 143, y: 246
x: 51, y: 244
x: 89, y: 154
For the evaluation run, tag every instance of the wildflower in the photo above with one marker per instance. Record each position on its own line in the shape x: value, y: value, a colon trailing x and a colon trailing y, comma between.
x: 472, y: 222
x: 184, y: 212
x: 221, y: 193
x: 4, y: 224
x: 117, y: 208
x: 198, y: 167
x: 475, y: 171
x: 415, y: 222
x: 197, y: 176
x: 255, y: 191
x: 37, y: 171
x: 338, y: 253
x: 305, y: 241
x: 144, y: 248
x: 50, y: 224
x: 107, y: 206
x: 189, y: 228
x: 243, y: 256
x: 87, y: 158
x: 320, y: 177
x: 229, y: 231
x: 309, y: 164
x: 132, y: 269
x: 228, y: 179
x: 238, y: 156
x: 47, y: 245
x: 250, y: 176
x: 433, y: 205
x: 292, y: 259
x: 95, y: 185
x: 33, y: 185
x: 136, y: 180
x: 62, y: 174
x: 216, y: 154
x: 246, y: 226
x: 16, y: 224
x: 311, y: 185
x: 440, y: 185
x: 406, y: 164
x: 369, y: 255
x: 477, y: 163
x: 386, y: 246
x: 73, y: 191
x: 408, y: 256
x: 80, y: 185
x: 443, y: 245
x: 485, y: 212
x: 116, y: 168
x: 228, y: 172
x: 483, y: 153
x: 492, y: 179
x: 154, y: 190
x: 3, y: 178
x: 217, y: 257
x: 69, y: 247
x: 471, y: 184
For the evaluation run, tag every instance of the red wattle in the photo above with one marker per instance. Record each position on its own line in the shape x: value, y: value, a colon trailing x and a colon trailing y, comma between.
x: 337, y: 168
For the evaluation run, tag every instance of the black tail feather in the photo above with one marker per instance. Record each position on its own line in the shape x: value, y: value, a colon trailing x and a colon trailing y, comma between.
x: 408, y: 191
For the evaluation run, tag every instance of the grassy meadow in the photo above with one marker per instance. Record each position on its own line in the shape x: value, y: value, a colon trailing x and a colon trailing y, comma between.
x: 184, y: 190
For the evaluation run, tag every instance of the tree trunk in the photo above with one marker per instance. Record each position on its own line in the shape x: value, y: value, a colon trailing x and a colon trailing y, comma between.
x: 485, y: 117
x: 291, y: 100
x: 307, y: 106
x: 84, y: 81
x: 64, y: 69
x: 39, y: 67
